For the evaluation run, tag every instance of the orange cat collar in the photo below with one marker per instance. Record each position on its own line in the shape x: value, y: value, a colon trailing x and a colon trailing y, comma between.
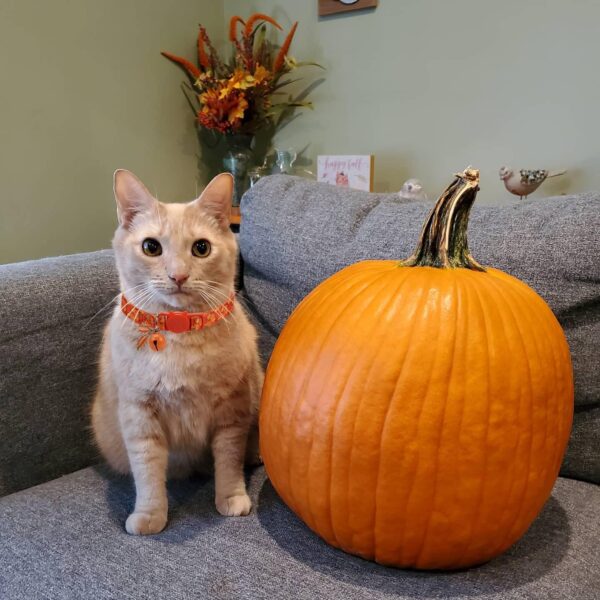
x: 175, y: 321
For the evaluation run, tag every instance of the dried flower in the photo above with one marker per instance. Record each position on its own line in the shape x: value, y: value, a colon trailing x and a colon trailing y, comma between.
x: 237, y: 96
x: 259, y: 17
x: 279, y: 61
x: 233, y: 27
x: 189, y: 67
x: 203, y: 60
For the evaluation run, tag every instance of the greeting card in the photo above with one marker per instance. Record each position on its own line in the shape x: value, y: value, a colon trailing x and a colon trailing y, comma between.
x: 354, y: 171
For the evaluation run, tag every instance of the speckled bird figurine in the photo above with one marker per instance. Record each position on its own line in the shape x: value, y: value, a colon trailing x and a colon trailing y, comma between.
x: 526, y: 181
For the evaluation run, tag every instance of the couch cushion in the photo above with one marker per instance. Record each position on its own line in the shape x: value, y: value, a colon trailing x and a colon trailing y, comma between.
x: 65, y: 539
x: 50, y: 331
x: 296, y: 232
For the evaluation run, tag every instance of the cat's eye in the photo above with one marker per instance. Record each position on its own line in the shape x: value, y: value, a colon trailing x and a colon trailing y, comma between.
x: 151, y: 247
x: 201, y: 248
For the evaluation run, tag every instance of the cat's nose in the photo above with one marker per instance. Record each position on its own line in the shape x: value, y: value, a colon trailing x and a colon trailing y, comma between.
x: 179, y: 279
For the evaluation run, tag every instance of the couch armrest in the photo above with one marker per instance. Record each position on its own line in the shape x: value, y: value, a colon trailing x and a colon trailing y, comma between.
x: 49, y: 344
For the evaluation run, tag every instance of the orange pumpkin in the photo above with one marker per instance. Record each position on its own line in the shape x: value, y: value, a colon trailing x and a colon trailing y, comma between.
x: 417, y: 412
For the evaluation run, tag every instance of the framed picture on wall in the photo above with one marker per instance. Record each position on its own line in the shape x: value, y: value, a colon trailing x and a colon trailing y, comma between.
x: 347, y: 170
x: 332, y: 7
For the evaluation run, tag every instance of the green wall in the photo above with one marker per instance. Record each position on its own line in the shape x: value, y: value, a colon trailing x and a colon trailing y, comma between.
x: 430, y: 86
x: 427, y: 86
x: 84, y: 91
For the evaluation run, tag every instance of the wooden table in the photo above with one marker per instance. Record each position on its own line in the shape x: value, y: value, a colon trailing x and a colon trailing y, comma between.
x: 236, y: 217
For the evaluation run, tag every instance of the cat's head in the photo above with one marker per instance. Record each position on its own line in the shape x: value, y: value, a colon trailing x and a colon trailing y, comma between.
x: 180, y: 256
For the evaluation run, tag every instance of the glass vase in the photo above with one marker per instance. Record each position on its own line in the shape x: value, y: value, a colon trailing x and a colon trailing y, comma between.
x: 237, y: 161
x: 284, y: 162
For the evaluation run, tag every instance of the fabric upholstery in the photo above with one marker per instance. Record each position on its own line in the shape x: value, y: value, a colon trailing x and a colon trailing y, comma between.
x: 49, y: 340
x: 65, y: 540
x: 296, y: 232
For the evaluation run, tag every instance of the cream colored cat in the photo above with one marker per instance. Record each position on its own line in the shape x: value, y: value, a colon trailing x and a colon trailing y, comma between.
x: 165, y: 411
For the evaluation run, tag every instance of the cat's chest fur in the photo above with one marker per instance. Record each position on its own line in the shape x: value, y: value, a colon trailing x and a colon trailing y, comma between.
x: 182, y: 384
x: 193, y: 372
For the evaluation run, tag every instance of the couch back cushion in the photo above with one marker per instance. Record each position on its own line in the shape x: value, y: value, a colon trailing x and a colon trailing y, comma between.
x: 296, y: 232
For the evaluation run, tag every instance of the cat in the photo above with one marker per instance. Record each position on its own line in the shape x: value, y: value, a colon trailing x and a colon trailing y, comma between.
x: 166, y: 402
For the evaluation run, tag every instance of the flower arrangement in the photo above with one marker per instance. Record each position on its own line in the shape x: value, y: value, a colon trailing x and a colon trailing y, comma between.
x: 238, y: 96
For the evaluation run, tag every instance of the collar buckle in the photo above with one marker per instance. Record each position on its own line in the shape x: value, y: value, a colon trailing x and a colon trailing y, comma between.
x: 177, y: 322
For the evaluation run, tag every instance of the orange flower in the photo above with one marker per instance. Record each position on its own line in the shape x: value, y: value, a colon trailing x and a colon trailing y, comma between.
x: 207, y: 120
x: 237, y: 110
x: 241, y: 80
x: 209, y: 97
x: 222, y: 112
x: 261, y: 74
x: 232, y: 95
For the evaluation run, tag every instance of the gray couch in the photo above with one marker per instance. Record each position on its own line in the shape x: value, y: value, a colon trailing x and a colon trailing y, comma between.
x: 62, y: 513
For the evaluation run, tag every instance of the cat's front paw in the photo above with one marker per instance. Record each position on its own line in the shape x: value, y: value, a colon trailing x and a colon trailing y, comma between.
x: 234, y: 506
x: 146, y: 523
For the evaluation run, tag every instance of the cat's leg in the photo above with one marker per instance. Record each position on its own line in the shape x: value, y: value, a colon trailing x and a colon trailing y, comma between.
x: 104, y: 414
x: 229, y: 448
x: 148, y: 457
x: 107, y: 432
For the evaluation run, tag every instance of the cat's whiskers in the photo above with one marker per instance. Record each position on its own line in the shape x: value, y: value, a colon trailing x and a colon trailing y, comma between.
x: 215, y: 287
x: 140, y: 302
x: 210, y: 281
x: 241, y: 300
x: 135, y: 300
x: 218, y: 302
x: 198, y: 287
x: 144, y: 288
x: 161, y: 284
x: 148, y: 298
x: 213, y: 303
x: 210, y: 301
x: 216, y: 290
x: 219, y: 286
x: 139, y: 295
x: 219, y: 292
x: 111, y: 301
x: 217, y: 295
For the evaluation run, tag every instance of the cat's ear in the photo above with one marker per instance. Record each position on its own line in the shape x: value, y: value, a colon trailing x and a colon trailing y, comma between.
x: 215, y: 200
x: 131, y: 195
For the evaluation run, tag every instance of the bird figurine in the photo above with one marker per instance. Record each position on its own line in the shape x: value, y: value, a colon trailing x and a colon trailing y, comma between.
x: 525, y: 181
x: 412, y: 189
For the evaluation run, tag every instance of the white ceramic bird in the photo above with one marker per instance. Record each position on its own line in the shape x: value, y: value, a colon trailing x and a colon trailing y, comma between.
x: 525, y: 181
x: 412, y: 189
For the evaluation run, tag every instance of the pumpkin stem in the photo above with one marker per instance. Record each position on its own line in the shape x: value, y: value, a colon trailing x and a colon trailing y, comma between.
x: 443, y: 242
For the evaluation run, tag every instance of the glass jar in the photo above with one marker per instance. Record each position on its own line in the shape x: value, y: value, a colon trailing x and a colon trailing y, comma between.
x: 237, y: 161
x: 284, y: 162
